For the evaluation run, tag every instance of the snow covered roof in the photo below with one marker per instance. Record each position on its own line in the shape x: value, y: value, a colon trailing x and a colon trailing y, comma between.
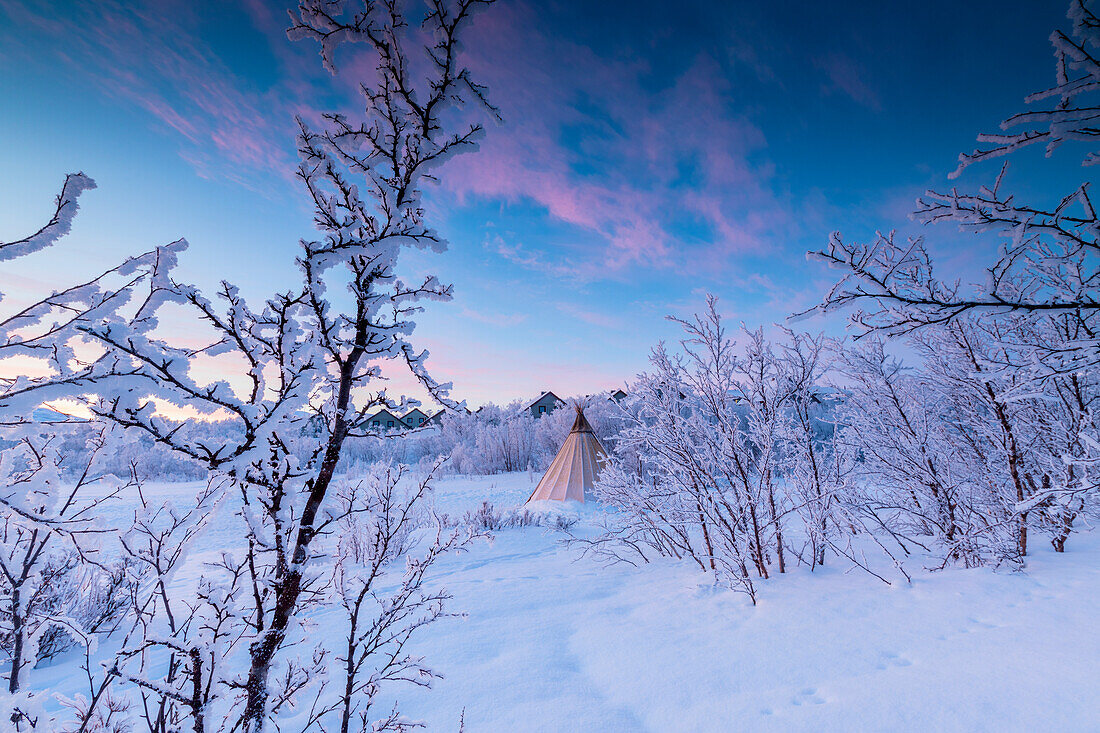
x: 543, y: 396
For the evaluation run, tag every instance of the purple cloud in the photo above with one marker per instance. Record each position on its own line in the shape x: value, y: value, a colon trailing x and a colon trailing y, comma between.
x: 129, y: 52
x: 620, y: 176
x: 650, y: 175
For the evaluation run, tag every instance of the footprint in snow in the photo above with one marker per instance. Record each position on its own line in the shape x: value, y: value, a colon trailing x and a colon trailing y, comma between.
x: 891, y: 659
x: 981, y: 624
x: 808, y: 695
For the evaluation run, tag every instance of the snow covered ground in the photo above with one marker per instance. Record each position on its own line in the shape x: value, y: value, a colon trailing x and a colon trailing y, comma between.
x: 556, y: 643
x: 553, y: 643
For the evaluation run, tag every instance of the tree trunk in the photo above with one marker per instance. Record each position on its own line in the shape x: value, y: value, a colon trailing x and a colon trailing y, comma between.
x: 778, y: 529
x: 18, y: 631
x: 706, y: 532
x: 288, y: 588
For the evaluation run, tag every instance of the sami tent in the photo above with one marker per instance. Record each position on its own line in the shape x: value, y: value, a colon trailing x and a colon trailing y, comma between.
x: 576, y: 466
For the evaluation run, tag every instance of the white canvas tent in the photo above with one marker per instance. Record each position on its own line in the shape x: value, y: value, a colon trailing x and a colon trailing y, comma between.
x: 576, y: 466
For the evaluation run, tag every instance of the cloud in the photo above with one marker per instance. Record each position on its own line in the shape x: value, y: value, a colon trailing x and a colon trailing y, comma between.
x: 662, y: 174
x: 500, y: 320
x: 600, y: 320
x: 155, y: 56
x: 665, y: 177
x: 518, y: 254
x: 846, y: 77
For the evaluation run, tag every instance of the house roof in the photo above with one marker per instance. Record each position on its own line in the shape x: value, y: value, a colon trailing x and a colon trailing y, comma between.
x: 413, y: 411
x: 542, y: 396
x: 381, y: 414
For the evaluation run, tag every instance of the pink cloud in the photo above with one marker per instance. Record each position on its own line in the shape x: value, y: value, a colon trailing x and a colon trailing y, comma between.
x: 129, y: 51
x: 592, y: 318
x: 621, y: 179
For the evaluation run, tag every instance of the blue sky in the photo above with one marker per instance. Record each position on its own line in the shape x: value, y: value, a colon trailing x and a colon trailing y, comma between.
x: 648, y: 155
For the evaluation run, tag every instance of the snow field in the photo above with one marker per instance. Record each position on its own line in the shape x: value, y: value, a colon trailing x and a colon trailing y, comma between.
x: 552, y: 641
x: 556, y: 643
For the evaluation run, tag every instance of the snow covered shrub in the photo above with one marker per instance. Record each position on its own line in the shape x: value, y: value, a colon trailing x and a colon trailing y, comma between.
x: 1017, y: 436
x: 83, y: 599
x: 705, y: 466
x: 505, y: 439
x: 489, y: 519
x: 177, y: 653
x: 966, y: 451
x: 910, y: 475
x: 417, y: 447
x: 138, y: 454
x: 485, y: 518
x: 814, y: 469
x: 51, y: 593
x: 386, y: 548
x: 991, y: 423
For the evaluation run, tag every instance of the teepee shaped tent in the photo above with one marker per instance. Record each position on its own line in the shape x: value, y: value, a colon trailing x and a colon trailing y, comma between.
x: 576, y: 466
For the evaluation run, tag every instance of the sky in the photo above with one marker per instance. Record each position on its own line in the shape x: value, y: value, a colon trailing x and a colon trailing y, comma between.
x: 650, y: 153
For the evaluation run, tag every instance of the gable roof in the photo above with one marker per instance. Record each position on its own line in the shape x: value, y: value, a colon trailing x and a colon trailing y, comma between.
x: 543, y: 396
x: 383, y: 414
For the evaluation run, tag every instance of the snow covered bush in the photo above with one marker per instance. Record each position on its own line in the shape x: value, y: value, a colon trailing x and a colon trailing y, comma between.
x: 386, y: 547
x: 487, y: 518
x: 1022, y: 337
x: 911, y: 480
x: 967, y: 453
x: 721, y: 446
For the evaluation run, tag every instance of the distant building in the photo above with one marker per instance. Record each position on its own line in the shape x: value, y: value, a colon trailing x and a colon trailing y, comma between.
x: 618, y: 395
x: 436, y: 419
x: 385, y: 420
x: 547, y: 402
x: 414, y: 418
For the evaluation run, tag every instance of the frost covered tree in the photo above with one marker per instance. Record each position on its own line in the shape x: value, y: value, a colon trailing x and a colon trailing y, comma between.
x: 720, y: 447
x: 304, y: 361
x: 1049, y: 263
x: 54, y: 587
x: 302, y: 370
x: 1037, y: 308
